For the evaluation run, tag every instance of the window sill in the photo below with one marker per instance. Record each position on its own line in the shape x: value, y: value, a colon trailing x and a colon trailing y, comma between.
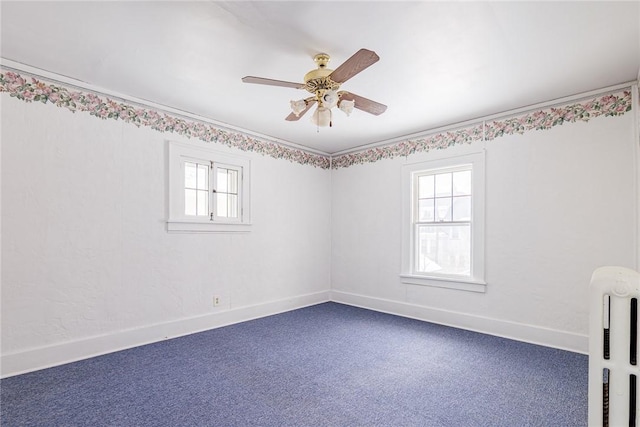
x: 185, y: 226
x: 445, y: 282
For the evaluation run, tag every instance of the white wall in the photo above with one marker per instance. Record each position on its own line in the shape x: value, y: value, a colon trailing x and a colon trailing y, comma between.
x: 559, y: 204
x: 88, y: 266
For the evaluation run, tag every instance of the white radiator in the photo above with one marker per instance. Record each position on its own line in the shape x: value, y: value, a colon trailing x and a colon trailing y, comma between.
x: 614, y: 372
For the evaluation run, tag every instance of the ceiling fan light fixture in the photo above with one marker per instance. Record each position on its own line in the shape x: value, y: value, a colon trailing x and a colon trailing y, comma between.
x: 321, y: 117
x: 330, y: 99
x: 347, y: 106
x: 298, y: 107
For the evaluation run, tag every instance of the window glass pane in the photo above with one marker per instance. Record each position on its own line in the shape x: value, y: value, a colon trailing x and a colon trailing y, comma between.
x: 443, y: 209
x: 189, y: 175
x: 462, y: 183
x: 426, y: 210
x: 203, y: 177
x: 203, y: 203
x: 190, y: 201
x: 222, y: 181
x: 232, y: 178
x: 443, y: 184
x: 425, y: 186
x: 462, y: 208
x: 444, y: 249
x: 221, y: 201
x: 232, y: 206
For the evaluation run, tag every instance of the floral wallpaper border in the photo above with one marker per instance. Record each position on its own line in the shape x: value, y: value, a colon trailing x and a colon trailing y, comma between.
x: 436, y: 141
x: 615, y: 104
x: 34, y: 90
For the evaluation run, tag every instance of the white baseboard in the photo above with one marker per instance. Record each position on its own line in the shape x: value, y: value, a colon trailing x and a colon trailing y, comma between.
x: 59, y: 354
x: 516, y: 331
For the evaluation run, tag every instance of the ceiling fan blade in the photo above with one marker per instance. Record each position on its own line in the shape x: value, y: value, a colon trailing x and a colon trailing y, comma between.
x: 292, y: 117
x: 364, y: 104
x: 271, y: 82
x: 359, y: 61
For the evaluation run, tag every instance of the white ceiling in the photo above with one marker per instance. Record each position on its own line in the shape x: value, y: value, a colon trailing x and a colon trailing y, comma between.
x: 441, y: 62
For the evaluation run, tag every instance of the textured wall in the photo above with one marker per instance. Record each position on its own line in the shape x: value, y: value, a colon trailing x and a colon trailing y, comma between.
x: 85, y: 250
x: 559, y: 203
x: 85, y: 254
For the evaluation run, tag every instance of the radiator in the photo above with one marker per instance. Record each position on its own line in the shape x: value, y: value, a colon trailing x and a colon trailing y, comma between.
x: 613, y: 348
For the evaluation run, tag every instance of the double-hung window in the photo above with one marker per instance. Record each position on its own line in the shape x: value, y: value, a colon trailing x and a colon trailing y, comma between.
x: 444, y: 223
x: 208, y: 191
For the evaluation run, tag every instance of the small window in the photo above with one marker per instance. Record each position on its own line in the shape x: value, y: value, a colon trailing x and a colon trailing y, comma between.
x: 209, y: 191
x: 443, y: 230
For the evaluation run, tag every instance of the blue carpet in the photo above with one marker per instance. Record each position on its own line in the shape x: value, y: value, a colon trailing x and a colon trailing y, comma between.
x: 326, y: 365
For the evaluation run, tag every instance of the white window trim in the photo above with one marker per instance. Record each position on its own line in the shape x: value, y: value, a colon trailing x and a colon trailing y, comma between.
x: 475, y: 283
x: 179, y: 222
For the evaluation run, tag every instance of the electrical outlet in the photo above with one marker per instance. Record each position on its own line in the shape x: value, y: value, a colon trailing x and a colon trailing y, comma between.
x: 216, y: 300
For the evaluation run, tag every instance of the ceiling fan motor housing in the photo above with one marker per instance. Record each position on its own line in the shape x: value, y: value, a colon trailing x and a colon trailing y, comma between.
x: 319, y: 83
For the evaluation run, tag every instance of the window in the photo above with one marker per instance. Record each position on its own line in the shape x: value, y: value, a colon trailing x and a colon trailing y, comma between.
x: 196, y: 189
x: 443, y: 230
x: 208, y: 191
x: 227, y: 191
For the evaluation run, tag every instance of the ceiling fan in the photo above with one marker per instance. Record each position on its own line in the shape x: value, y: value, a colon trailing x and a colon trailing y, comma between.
x: 324, y: 84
